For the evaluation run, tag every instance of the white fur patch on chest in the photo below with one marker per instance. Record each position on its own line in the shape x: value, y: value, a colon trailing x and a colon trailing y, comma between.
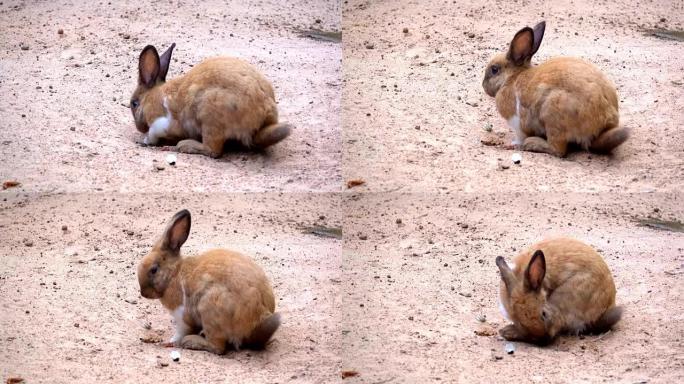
x: 181, y: 328
x: 159, y: 127
x: 514, y: 123
x: 178, y: 314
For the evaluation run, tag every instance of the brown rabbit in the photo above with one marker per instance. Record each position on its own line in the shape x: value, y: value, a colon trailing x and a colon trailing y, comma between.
x: 563, y: 100
x: 557, y: 285
x: 220, y: 293
x: 220, y: 99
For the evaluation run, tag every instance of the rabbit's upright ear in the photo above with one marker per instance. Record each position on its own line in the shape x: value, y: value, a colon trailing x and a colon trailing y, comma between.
x: 538, y: 32
x: 148, y: 66
x: 177, y: 231
x: 506, y: 274
x: 521, y: 46
x: 536, y: 269
x: 164, y: 61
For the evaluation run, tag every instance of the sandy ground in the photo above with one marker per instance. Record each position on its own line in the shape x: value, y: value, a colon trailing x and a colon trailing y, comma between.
x: 71, y: 307
x: 397, y: 300
x: 66, y: 122
x: 414, y: 115
x: 415, y: 111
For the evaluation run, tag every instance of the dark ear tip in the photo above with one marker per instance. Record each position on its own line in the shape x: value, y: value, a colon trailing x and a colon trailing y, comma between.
x: 148, y: 47
x: 538, y: 253
x: 525, y: 29
x: 501, y: 262
x: 182, y: 213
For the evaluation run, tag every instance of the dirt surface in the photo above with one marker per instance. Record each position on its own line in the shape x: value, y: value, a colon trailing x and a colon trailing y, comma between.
x: 377, y: 221
x: 71, y: 305
x: 415, y: 114
x: 66, y: 122
x: 415, y: 111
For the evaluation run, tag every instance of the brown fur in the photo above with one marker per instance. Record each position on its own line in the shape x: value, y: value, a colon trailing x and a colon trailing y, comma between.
x: 561, y: 101
x: 577, y: 293
x: 220, y: 99
x: 225, y: 295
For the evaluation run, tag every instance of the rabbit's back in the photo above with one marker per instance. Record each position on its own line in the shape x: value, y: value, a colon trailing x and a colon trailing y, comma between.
x: 231, y: 272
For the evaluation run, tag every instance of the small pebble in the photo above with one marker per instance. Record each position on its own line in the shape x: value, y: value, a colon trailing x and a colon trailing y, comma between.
x: 64, y: 227
x: 405, y: 30
x: 370, y: 46
x: 24, y: 47
x: 175, y: 356
x: 516, y: 158
x: 481, y: 318
x: 60, y: 31
x: 510, y: 348
x: 471, y: 35
x: 171, y: 159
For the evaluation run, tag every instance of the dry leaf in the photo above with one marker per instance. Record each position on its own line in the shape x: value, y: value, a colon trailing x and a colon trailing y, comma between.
x: 10, y: 184
x: 491, y: 140
x: 150, y: 339
x: 485, y: 330
x: 355, y: 183
x: 346, y: 374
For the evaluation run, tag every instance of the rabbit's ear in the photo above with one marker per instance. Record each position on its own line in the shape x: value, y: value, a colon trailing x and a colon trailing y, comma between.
x: 506, y: 274
x: 538, y: 32
x: 536, y: 269
x: 148, y: 66
x: 177, y: 231
x: 164, y: 61
x: 521, y: 46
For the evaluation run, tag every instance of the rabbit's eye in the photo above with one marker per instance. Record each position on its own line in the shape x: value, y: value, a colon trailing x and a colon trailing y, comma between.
x: 135, y: 103
x: 154, y: 269
x: 495, y: 69
x: 543, y: 315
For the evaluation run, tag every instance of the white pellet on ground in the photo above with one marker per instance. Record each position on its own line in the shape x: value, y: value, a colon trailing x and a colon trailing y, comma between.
x: 516, y: 158
x: 175, y: 356
x: 171, y: 159
x: 510, y: 348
